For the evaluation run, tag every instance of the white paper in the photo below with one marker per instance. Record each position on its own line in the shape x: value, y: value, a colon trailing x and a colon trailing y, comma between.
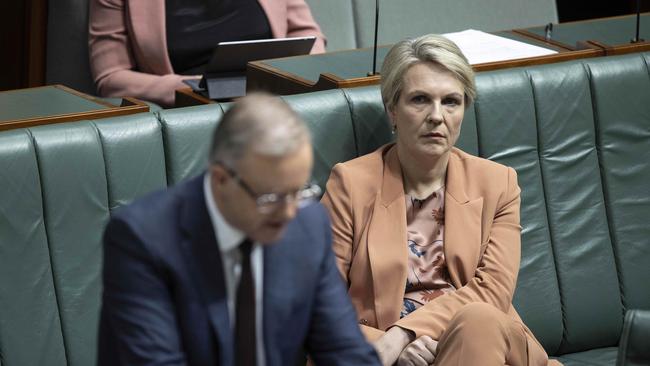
x: 480, y: 47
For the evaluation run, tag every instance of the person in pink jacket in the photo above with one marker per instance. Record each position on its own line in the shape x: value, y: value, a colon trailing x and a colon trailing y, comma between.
x: 145, y: 48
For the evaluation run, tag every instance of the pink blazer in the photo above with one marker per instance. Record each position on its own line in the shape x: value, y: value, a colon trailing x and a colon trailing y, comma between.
x: 365, y: 199
x: 128, y: 46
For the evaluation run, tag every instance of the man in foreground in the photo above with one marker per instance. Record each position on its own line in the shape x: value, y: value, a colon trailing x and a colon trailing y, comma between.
x: 233, y: 267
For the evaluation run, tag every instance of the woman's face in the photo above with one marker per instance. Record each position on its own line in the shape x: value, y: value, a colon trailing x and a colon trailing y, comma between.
x: 429, y: 111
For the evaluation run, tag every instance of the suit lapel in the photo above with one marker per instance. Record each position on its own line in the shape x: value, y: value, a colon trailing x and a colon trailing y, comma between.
x: 147, y: 20
x: 462, y: 224
x: 387, y: 243
x: 279, y: 288
x: 204, y: 258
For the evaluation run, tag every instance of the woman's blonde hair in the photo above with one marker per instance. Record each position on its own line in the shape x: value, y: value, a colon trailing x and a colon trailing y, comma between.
x: 427, y: 48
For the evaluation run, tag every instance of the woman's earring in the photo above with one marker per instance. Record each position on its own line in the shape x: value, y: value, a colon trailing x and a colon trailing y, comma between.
x: 394, y: 129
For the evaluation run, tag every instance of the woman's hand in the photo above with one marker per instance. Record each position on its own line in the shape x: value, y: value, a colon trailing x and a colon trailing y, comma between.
x: 390, y: 345
x: 421, y: 352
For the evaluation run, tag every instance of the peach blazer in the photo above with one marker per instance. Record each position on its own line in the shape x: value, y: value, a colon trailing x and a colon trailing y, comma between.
x: 128, y: 45
x: 365, y: 199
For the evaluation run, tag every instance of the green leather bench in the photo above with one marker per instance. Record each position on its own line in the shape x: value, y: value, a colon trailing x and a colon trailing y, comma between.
x: 578, y: 134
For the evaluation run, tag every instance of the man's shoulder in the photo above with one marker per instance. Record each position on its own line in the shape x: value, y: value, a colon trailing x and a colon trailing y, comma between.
x: 311, y: 220
x: 309, y: 231
x: 158, y: 212
x: 153, y: 224
x: 312, y: 211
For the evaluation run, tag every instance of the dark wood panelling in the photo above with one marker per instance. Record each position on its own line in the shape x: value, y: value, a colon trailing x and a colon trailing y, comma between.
x: 22, y: 42
x: 12, y: 39
x: 36, y: 42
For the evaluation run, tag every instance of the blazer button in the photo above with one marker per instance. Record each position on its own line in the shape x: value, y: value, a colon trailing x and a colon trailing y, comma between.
x: 363, y: 321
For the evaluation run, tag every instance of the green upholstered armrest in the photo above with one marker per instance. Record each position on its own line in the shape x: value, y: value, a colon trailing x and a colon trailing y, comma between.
x: 634, y: 348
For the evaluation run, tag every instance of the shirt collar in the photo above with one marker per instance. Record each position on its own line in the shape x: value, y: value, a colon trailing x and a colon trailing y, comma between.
x: 228, y: 237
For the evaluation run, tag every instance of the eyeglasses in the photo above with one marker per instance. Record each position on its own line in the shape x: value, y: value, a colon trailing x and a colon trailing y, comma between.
x: 270, y: 202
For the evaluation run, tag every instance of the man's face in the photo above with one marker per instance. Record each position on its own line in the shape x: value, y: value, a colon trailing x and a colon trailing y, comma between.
x: 262, y: 174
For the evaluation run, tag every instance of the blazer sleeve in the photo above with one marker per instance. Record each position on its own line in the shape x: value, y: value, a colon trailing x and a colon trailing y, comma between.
x: 138, y: 316
x: 112, y: 62
x: 495, y: 276
x: 300, y: 22
x: 334, y: 338
x: 337, y: 202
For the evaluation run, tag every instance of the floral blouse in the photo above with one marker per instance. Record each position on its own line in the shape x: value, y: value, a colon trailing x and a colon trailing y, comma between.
x: 427, y: 276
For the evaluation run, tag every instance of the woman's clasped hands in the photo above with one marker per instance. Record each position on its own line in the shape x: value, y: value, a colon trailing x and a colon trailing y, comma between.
x: 399, y: 347
x: 421, y: 351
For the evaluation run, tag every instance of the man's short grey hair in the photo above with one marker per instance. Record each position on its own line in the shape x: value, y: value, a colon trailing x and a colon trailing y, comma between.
x: 259, y: 123
x: 427, y: 48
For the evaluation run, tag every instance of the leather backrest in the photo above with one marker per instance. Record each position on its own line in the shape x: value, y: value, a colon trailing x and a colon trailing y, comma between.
x: 327, y: 115
x: 506, y: 114
x: 370, y: 123
x: 619, y: 91
x: 60, y: 183
x: 74, y: 190
x: 187, y: 133
x: 633, y: 349
x: 30, y: 325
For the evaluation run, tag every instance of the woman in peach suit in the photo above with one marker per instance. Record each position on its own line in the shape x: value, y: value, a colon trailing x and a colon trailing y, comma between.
x: 145, y: 48
x: 427, y: 236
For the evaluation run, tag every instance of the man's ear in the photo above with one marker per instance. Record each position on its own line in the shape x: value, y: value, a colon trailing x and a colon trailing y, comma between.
x: 219, y: 175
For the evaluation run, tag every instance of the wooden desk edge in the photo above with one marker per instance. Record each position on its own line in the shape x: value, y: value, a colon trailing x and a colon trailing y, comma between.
x: 623, y: 49
x: 530, y: 35
x: 129, y: 106
x: 186, y: 97
x: 262, y: 76
x: 266, y: 77
x: 539, y: 60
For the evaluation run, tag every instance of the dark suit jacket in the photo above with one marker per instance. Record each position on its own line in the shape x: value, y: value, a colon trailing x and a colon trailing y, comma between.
x: 164, y: 299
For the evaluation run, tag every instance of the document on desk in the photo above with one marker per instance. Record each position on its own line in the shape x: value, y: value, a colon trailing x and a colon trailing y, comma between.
x: 480, y: 47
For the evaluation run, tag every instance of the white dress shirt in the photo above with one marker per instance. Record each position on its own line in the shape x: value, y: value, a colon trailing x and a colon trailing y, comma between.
x: 228, y: 239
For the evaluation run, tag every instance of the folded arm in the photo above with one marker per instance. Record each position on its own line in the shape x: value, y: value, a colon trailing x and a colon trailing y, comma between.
x: 337, y: 201
x: 334, y: 337
x: 495, y: 276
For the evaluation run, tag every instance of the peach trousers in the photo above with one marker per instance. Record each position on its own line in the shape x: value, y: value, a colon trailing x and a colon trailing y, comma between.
x: 480, y: 334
